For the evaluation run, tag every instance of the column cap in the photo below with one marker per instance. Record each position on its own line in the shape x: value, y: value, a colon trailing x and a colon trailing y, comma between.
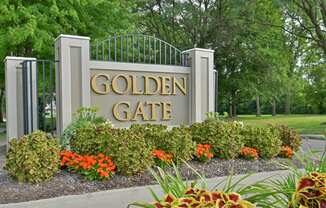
x: 72, y: 37
x: 199, y: 49
x: 18, y: 58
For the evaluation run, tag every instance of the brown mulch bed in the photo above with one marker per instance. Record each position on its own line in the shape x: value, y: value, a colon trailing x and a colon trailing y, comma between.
x: 65, y: 183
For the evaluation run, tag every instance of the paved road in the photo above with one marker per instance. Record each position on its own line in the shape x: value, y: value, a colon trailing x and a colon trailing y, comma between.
x: 318, y: 145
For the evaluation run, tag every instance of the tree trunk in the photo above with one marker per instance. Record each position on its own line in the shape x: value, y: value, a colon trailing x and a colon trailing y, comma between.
x: 273, y: 107
x: 234, y: 110
x: 1, y: 104
x: 258, y: 111
x: 230, y: 110
x: 287, y: 108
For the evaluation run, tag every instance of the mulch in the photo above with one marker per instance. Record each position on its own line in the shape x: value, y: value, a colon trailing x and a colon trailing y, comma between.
x: 64, y: 183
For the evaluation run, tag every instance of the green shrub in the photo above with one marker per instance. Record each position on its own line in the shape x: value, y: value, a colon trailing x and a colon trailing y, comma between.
x: 179, y: 143
x: 127, y: 147
x: 176, y: 141
x: 83, y: 119
x: 129, y: 151
x: 92, y: 139
x: 265, y: 139
x: 289, y: 137
x: 33, y: 158
x: 151, y: 132
x: 224, y: 137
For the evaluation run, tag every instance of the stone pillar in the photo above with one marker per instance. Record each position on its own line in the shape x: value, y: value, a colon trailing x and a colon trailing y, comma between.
x: 72, y: 77
x: 14, y: 97
x: 202, y: 83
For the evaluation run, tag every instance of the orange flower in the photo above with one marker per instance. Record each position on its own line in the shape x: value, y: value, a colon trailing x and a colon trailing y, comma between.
x: 286, y: 151
x: 203, y: 152
x: 249, y: 153
x: 99, y: 166
x: 163, y: 156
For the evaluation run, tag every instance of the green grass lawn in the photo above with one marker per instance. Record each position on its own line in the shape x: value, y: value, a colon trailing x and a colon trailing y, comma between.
x: 304, y: 124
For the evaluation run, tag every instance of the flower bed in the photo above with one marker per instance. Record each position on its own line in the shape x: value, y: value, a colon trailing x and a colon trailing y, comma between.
x: 91, y: 147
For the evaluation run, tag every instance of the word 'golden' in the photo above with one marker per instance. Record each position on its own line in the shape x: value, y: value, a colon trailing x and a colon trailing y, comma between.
x: 123, y: 84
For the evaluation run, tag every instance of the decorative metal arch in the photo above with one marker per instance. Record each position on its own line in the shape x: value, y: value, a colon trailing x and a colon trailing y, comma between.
x: 138, y: 48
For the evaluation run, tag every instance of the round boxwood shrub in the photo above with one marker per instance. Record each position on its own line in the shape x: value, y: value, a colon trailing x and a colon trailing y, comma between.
x: 265, y: 139
x: 289, y: 137
x: 92, y: 139
x: 129, y: 151
x: 33, y: 158
x: 224, y: 137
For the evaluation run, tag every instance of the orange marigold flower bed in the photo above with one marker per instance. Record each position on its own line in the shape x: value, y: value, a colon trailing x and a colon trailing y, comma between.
x: 286, y: 152
x: 162, y: 158
x: 93, y: 167
x: 203, y: 152
x: 249, y: 153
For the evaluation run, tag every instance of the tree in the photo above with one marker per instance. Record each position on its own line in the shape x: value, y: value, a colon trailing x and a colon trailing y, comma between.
x: 310, y: 15
x: 28, y: 28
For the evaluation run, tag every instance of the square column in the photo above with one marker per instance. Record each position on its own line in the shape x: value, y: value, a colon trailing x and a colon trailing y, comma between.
x: 72, y: 77
x: 202, y: 79
x: 21, y: 99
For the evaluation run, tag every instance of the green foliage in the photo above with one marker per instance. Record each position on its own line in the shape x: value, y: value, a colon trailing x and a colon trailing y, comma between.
x: 92, y: 139
x: 153, y: 133
x: 224, y: 137
x: 177, y: 141
x: 279, y: 192
x: 84, y: 119
x: 289, y: 137
x: 33, y: 158
x: 266, y: 140
x: 129, y: 151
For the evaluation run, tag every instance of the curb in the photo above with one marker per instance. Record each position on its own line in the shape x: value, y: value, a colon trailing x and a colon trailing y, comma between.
x: 313, y: 136
x: 120, y: 198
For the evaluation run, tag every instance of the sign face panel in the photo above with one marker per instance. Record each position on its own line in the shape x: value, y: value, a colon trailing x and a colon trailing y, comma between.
x: 126, y: 97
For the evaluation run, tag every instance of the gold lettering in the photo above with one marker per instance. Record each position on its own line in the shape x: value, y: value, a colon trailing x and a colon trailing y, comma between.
x: 134, y: 86
x: 115, y: 84
x: 116, y: 113
x: 140, y: 112
x: 182, y: 87
x: 166, y: 111
x: 153, y: 109
x: 105, y: 84
x: 165, y: 85
x: 146, y: 85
